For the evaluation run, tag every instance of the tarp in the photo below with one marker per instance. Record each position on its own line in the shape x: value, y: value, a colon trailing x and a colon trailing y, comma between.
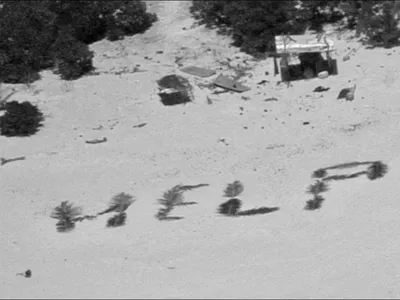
x: 230, y: 84
x: 303, y: 44
x: 201, y: 72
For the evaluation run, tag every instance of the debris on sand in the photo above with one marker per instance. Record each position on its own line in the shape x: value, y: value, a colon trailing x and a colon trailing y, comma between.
x: 197, y: 71
x: 271, y: 99
x: 230, y: 84
x: 5, y: 161
x: 174, y: 90
x: 97, y: 141
x: 140, y: 125
x: 26, y: 274
x: 347, y: 93
x: 320, y: 89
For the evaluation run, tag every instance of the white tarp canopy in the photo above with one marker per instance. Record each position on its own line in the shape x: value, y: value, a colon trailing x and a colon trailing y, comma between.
x: 303, y: 43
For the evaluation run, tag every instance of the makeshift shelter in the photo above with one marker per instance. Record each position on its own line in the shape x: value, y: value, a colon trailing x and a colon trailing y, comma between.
x: 174, y: 90
x: 301, y: 56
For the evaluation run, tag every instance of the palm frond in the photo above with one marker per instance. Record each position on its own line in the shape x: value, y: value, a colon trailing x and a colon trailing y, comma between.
x: 66, y: 212
x: 117, y: 220
x: 314, y: 203
x: 121, y: 202
x: 65, y: 225
x: 230, y: 207
x: 320, y: 173
x: 257, y: 211
x: 318, y: 187
x: 172, y: 197
x: 234, y: 189
x: 377, y: 170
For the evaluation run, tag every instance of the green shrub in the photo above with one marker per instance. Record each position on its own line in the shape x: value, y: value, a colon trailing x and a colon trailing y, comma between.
x: 31, y: 33
x: 74, y: 57
x: 20, y: 119
x: 252, y: 24
x: 129, y: 17
x: 26, y: 34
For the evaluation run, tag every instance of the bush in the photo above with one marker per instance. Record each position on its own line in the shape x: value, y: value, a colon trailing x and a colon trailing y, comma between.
x: 20, y: 119
x: 26, y: 34
x: 74, y: 57
x: 30, y: 29
x: 128, y: 18
x: 252, y: 24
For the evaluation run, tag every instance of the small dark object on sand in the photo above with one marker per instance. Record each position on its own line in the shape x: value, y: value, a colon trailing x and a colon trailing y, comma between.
x: 4, y: 160
x: 306, y: 123
x: 321, y: 89
x: 26, y: 274
x: 175, y: 90
x: 140, y: 125
x: 263, y: 81
x: 271, y: 99
x: 347, y: 93
x: 97, y: 141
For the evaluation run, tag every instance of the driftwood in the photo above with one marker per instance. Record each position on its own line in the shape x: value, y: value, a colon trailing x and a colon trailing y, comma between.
x: 97, y: 141
x: 5, y: 161
x: 140, y: 125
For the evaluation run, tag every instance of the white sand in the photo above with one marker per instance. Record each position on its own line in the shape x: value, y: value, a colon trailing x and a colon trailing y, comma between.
x: 347, y: 249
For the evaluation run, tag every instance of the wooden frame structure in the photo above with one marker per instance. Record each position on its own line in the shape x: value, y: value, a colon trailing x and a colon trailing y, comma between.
x: 289, y: 48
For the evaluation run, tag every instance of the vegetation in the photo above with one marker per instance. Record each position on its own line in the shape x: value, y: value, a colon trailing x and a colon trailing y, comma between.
x: 20, y: 119
x: 35, y: 35
x: 119, y: 203
x: 169, y: 200
x: 318, y: 187
x: 66, y: 214
x: 377, y: 170
x: 254, y: 24
x: 232, y: 206
x: 117, y: 220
